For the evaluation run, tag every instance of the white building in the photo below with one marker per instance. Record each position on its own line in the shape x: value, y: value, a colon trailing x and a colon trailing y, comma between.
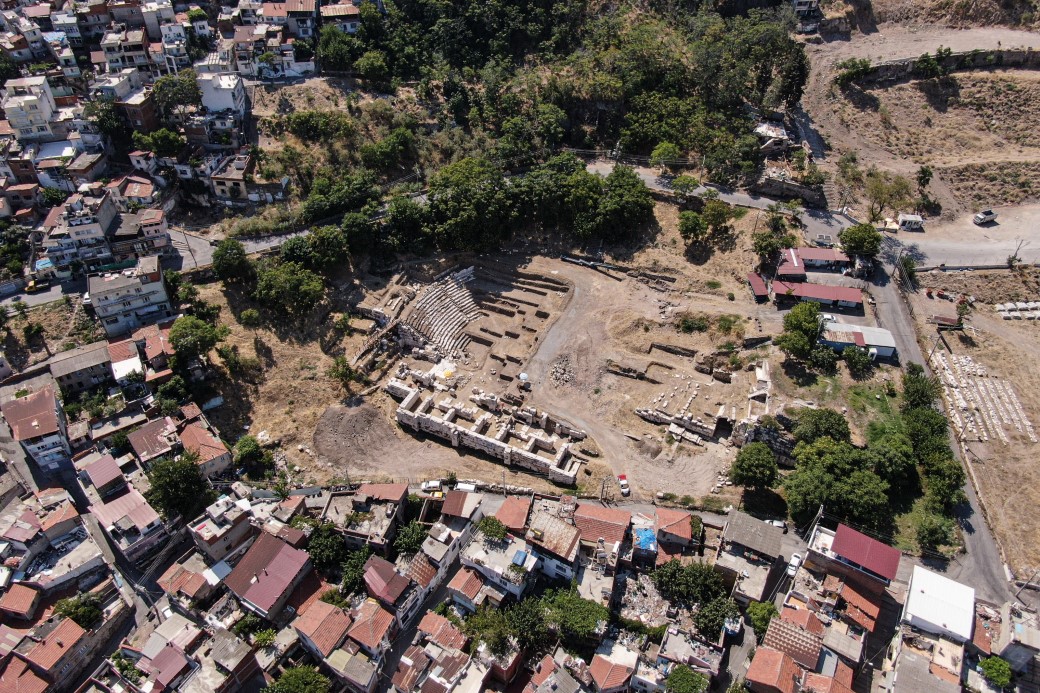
x: 939, y: 605
x: 29, y: 105
x: 126, y: 300
x: 877, y: 341
x: 223, y: 92
x: 38, y: 422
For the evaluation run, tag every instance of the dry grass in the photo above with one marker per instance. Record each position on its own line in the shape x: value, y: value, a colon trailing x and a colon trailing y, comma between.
x: 65, y: 326
x: 991, y: 287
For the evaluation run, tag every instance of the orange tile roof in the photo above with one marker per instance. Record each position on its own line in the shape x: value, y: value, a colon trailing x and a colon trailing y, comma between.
x: 421, y: 570
x: 19, y: 600
x: 983, y: 636
x: 804, y: 618
x: 675, y: 522
x: 324, y: 624
x: 542, y: 671
x: 393, y: 493
x: 371, y: 624
x: 818, y: 683
x: 597, y: 521
x: 198, y: 439
x: 467, y: 582
x: 17, y: 677
x: 64, y: 512
x: 441, y: 631
x: 180, y: 580
x: 514, y: 511
x: 55, y: 645
x: 607, y: 674
x: 774, y: 669
x: 122, y: 351
x: 800, y: 644
x: 33, y: 415
x: 860, y: 608
x: 943, y: 673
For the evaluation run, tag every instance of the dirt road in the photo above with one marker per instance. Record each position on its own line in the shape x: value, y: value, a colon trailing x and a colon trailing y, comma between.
x: 960, y: 242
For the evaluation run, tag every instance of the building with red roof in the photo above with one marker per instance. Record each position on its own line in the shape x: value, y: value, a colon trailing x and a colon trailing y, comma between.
x: 214, y: 456
x: 772, y: 671
x: 322, y: 628
x: 267, y: 574
x: 758, y: 287
x: 513, y: 513
x: 866, y: 554
x: 372, y: 629
x: 186, y: 581
x: 441, y: 631
x: 131, y: 524
x: 801, y: 645
x: 825, y: 294
x: 20, y: 601
x: 597, y: 522
x: 17, y: 677
x: 38, y: 423
x: 818, y: 683
x: 392, y: 589
x: 609, y: 676
x: 53, y: 651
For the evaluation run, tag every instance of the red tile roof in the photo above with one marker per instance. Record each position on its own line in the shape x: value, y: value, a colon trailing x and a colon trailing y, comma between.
x: 323, y: 624
x: 513, y: 513
x: 542, y: 671
x: 421, y: 570
x: 383, y: 581
x: 983, y: 636
x: 166, y: 666
x: 467, y: 582
x: 860, y: 607
x: 180, y: 580
x: 818, y: 683
x: 19, y: 600
x: 607, y: 674
x: 371, y: 624
x: 597, y: 522
x: 200, y: 440
x: 267, y: 570
x: 442, y: 631
x: 866, y: 552
x: 55, y: 645
x: 410, y: 669
x: 33, y: 415
x: 774, y: 669
x: 122, y: 351
x: 392, y: 493
x: 17, y: 677
x: 675, y: 522
x: 803, y: 618
x: 454, y: 503
x: 63, y: 513
x: 796, y: 642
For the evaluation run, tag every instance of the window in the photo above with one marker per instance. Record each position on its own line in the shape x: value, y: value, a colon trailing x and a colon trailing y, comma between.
x: 41, y: 128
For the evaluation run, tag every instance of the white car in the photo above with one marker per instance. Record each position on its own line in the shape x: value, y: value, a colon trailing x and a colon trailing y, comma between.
x: 623, y: 483
x: 984, y: 217
x: 779, y: 523
x: 794, y: 564
x: 826, y: 318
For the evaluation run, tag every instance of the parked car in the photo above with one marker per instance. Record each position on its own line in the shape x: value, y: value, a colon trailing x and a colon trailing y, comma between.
x: 86, y: 298
x: 984, y: 217
x: 794, y: 564
x: 779, y: 523
x: 432, y: 485
x: 623, y: 483
x: 826, y: 318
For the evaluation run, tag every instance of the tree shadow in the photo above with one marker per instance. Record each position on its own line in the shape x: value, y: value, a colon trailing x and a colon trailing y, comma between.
x: 799, y: 374
x: 860, y: 98
x: 939, y: 92
x: 764, y: 502
x: 263, y: 352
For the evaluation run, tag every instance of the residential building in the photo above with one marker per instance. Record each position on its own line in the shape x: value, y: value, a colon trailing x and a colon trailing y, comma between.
x: 344, y: 16
x: 876, y: 341
x: 773, y: 672
x: 156, y: 438
x: 226, y: 665
x: 469, y: 590
x: 223, y: 529
x: 189, y: 581
x: 55, y: 652
x: 556, y: 544
x: 29, y: 106
x: 507, y: 563
x: 322, y: 629
x: 847, y: 553
x: 38, y: 424
x: 748, y: 556
x: 267, y: 574
x: 132, y: 526
x: 223, y: 92
x: 101, y: 473
x: 805, y: 8
x: 123, y: 48
x: 82, y: 368
x: 396, y: 592
x: 128, y: 191
x: 372, y: 629
x: 214, y: 456
x: 140, y: 235
x: 513, y: 513
x: 785, y: 293
x: 127, y: 300
x: 938, y: 605
x: 80, y: 232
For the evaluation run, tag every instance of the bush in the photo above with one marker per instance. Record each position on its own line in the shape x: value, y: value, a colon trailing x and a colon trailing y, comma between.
x: 857, y: 360
x: 492, y: 528
x: 760, y: 614
x: 84, y: 609
x: 997, y: 671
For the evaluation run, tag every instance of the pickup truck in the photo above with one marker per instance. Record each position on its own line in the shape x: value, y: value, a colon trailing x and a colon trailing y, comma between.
x: 984, y: 217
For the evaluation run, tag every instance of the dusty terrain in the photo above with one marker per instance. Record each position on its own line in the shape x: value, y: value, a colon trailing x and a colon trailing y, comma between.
x: 968, y: 133
x: 64, y: 324
x: 1005, y: 353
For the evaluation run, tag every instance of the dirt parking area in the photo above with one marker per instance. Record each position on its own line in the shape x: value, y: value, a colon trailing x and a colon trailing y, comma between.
x: 993, y: 399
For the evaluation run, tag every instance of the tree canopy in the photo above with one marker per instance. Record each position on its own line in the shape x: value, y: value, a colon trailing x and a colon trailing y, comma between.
x: 288, y: 288
x: 178, y: 487
x: 754, y: 466
x: 301, y: 679
x: 327, y: 548
x: 193, y: 338
x: 814, y: 424
x: 683, y: 679
x: 84, y: 609
x: 801, y: 329
x: 862, y: 240
x: 175, y: 93
x: 694, y: 583
x: 230, y: 262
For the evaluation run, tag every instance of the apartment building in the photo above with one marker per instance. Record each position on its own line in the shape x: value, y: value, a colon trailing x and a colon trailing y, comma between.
x: 127, y: 300
x: 29, y: 105
x: 80, y: 234
x: 38, y: 423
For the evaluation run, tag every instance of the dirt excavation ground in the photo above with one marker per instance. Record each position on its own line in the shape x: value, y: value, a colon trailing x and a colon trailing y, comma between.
x: 973, y: 129
x: 1001, y: 353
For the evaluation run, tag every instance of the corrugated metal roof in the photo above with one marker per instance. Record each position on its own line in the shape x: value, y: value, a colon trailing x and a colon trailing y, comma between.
x: 866, y: 552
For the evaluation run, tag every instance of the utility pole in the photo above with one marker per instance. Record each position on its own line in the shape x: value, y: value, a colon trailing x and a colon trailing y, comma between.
x: 1027, y: 583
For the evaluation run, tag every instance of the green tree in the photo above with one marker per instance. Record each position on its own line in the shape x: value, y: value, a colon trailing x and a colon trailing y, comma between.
x: 760, y: 614
x: 248, y: 450
x: 301, y: 679
x: 492, y: 528
x: 839, y: 477
x: 823, y: 358
x: 684, y: 186
x: 265, y: 638
x: 470, y: 206
x: 626, y: 205
x: 768, y: 244
x: 230, y: 262
x: 924, y: 178
x: 571, y: 617
x: 491, y: 627
x: 885, y: 190
x: 862, y: 240
x: 288, y: 287
x: 688, y: 584
x: 717, y: 214
x: 410, y: 538
x: 920, y: 391
x: 327, y: 548
x: 692, y: 227
x: 192, y: 338
x: 104, y: 115
x: 249, y: 318
x: 801, y: 328
x: 297, y: 249
x: 527, y: 623
x: 711, y: 617
x: 196, y: 14
x: 177, y: 93
x: 933, y: 531
x: 665, y: 155
x: 344, y: 373
x: 683, y: 679
x: 814, y: 424
x: 84, y: 609
x: 178, y: 487
x: 329, y: 247
x: 372, y: 65
x: 754, y: 466
x: 163, y: 142
x: 997, y: 671
x: 858, y: 361
x: 354, y: 571
x: 52, y: 197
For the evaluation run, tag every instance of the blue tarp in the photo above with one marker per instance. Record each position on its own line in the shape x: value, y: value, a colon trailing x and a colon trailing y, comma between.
x: 519, y: 558
x: 646, y: 539
x: 44, y: 264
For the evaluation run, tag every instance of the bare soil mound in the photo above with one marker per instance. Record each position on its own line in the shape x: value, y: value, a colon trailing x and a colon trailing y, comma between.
x: 956, y: 12
x: 355, y: 435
